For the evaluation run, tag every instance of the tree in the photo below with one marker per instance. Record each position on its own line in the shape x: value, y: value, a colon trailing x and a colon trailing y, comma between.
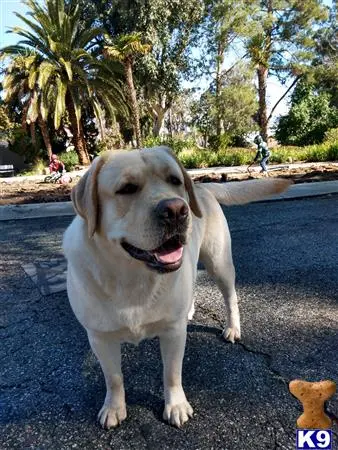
x: 282, y: 44
x: 69, y: 71
x: 311, y: 115
x: 314, y: 102
x: 201, y: 116
x: 170, y: 28
x: 161, y: 72
x: 20, y: 82
x: 225, y: 22
x: 125, y: 49
x: 324, y: 70
x: 237, y: 103
x: 234, y: 108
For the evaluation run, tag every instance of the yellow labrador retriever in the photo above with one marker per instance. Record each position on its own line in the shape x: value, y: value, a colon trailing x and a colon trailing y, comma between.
x: 132, y: 253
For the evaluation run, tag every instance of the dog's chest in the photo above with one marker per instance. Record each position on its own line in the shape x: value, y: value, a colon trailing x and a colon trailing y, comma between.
x: 133, y: 311
x: 135, y: 330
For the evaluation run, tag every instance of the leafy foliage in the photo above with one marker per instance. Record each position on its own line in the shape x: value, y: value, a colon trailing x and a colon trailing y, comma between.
x: 235, y: 107
x: 5, y: 122
x: 309, y: 118
x: 70, y: 159
x: 67, y: 73
x: 282, y: 43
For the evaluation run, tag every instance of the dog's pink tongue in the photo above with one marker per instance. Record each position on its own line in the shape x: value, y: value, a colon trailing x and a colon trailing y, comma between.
x: 169, y: 256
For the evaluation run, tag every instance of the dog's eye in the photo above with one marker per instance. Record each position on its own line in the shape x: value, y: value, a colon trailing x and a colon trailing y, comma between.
x: 174, y: 180
x: 128, y: 188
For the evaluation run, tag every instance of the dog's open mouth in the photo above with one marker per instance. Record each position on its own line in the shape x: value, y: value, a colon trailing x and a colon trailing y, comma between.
x: 165, y: 258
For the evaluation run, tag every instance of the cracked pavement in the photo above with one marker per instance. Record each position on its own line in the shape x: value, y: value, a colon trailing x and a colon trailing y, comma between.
x: 51, y: 386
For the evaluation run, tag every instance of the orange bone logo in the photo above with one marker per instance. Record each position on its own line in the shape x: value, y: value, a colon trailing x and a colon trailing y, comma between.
x: 312, y: 396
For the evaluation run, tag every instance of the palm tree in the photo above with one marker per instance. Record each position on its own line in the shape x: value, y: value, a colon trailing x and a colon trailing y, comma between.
x: 69, y: 71
x: 125, y: 49
x: 20, y: 82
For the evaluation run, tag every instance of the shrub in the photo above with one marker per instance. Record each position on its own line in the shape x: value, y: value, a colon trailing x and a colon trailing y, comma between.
x: 152, y: 141
x: 70, y: 159
x: 219, y: 142
x: 331, y: 136
x: 332, y: 152
x: 322, y: 152
x: 180, y: 144
x: 36, y: 168
x: 20, y: 143
x: 197, y: 158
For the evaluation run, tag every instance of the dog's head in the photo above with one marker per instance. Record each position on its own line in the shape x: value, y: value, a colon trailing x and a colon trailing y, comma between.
x: 141, y: 199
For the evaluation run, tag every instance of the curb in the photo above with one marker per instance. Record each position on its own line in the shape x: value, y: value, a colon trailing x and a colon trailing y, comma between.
x: 58, y: 209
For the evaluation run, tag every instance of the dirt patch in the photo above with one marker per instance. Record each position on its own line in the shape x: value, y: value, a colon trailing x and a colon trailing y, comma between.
x: 28, y: 191
x: 301, y: 175
x: 24, y: 191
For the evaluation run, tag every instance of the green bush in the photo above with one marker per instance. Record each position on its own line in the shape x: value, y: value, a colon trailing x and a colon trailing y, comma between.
x: 331, y: 136
x: 201, y: 158
x: 177, y: 144
x: 207, y: 158
x: 219, y: 142
x: 20, y: 143
x: 180, y: 144
x: 152, y: 141
x: 70, y: 159
x: 36, y: 168
x: 332, y: 152
x: 310, y: 117
x: 322, y: 152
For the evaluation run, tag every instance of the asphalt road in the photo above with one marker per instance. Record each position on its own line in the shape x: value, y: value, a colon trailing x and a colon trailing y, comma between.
x: 51, y: 386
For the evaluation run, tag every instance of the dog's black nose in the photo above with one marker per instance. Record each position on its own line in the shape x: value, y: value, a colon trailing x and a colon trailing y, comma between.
x: 172, y: 210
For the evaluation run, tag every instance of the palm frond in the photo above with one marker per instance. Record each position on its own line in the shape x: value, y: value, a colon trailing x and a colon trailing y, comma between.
x: 98, y: 114
x: 33, y: 109
x: 32, y: 77
x: 46, y: 69
x: 60, y: 102
x: 68, y: 67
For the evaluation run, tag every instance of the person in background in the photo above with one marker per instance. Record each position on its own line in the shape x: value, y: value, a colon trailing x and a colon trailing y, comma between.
x: 263, y: 152
x: 56, y: 165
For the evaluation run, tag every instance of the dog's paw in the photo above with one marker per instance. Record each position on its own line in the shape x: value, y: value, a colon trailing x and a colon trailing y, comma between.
x: 178, y: 414
x: 232, y: 334
x: 111, y: 417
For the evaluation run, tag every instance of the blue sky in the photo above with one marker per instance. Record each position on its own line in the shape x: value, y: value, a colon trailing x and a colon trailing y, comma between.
x: 8, y: 20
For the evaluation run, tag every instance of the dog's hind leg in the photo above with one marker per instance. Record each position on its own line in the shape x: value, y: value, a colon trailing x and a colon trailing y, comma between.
x: 216, y: 256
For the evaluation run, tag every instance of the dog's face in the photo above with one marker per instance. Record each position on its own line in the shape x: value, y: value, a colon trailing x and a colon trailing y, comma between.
x: 143, y: 200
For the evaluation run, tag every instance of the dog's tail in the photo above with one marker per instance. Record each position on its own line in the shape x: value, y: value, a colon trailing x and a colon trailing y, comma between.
x: 240, y: 192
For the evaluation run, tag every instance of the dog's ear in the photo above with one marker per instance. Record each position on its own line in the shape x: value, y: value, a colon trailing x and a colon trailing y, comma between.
x: 84, y: 195
x: 188, y: 184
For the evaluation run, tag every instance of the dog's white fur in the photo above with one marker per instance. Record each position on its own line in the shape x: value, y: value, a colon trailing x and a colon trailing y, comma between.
x: 118, y: 298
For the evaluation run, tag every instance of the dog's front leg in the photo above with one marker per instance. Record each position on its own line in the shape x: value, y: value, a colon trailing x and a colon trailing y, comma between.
x: 108, y: 352
x: 177, y: 410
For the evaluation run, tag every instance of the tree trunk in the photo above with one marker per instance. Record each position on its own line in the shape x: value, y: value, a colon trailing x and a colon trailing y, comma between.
x: 128, y: 66
x: 45, y: 136
x: 262, y: 73
x: 33, y: 134
x: 24, y: 118
x: 219, y: 63
x: 77, y: 130
x: 171, y: 133
x: 158, y: 121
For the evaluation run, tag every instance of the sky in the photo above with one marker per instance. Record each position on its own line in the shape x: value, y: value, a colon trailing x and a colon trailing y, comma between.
x: 8, y: 19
